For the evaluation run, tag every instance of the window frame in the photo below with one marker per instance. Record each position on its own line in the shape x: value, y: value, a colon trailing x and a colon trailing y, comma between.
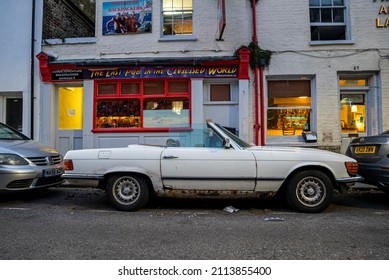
x: 292, y: 139
x: 141, y: 97
x: 346, y: 24
x: 177, y: 37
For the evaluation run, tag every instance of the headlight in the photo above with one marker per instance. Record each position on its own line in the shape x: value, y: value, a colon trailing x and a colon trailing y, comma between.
x: 10, y: 159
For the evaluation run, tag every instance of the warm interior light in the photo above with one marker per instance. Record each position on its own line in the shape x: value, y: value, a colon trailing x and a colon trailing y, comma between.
x: 354, y: 109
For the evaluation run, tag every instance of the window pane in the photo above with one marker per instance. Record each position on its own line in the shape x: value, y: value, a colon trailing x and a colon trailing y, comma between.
x: 178, y: 87
x: 314, y: 2
x: 289, y: 89
x: 177, y: 4
x: 287, y: 122
x: 338, y: 15
x: 187, y: 4
x: 353, y: 114
x: 153, y: 87
x: 323, y: 33
x: 166, y: 112
x: 338, y: 3
x: 130, y: 88
x: 326, y: 2
x: 326, y: 15
x: 177, y: 17
x: 111, y: 113
x: 220, y: 93
x: 353, y: 83
x: 315, y: 15
x: 103, y: 89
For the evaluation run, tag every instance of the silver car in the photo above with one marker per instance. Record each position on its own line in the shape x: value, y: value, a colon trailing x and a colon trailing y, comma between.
x: 26, y: 164
x: 372, y: 154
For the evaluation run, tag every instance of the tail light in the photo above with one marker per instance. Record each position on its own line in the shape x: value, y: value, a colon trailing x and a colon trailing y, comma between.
x: 352, y: 167
x: 68, y: 164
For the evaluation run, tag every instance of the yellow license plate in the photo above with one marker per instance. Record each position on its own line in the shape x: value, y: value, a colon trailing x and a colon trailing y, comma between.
x: 364, y: 150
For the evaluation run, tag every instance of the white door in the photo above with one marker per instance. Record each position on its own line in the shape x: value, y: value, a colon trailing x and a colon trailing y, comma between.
x: 70, y: 119
x: 208, y: 169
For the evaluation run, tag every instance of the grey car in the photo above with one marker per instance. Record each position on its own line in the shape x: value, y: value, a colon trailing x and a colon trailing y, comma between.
x: 372, y: 154
x: 26, y: 164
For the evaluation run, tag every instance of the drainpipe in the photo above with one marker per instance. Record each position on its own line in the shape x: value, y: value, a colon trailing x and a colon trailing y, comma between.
x: 32, y: 77
x: 258, y: 73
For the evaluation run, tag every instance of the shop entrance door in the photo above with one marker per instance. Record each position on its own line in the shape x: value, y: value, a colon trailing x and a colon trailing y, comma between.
x: 70, y: 119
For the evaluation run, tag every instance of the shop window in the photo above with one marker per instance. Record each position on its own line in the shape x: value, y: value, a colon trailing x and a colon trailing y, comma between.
x: 289, y: 106
x: 177, y: 17
x: 220, y: 92
x: 142, y: 105
x: 328, y: 20
x: 166, y: 112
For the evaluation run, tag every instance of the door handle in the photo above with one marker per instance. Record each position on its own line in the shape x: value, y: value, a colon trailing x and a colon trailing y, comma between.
x: 169, y: 157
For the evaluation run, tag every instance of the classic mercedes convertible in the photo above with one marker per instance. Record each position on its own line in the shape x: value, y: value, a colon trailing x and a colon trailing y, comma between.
x: 210, y: 161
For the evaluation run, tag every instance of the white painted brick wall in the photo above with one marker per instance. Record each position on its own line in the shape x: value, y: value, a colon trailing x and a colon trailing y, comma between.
x: 237, y: 33
x: 284, y: 27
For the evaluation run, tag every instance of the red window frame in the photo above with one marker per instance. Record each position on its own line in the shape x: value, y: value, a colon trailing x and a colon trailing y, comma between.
x: 107, y: 126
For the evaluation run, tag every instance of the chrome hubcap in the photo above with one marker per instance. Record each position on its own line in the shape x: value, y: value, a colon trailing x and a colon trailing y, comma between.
x: 311, y: 191
x: 126, y: 190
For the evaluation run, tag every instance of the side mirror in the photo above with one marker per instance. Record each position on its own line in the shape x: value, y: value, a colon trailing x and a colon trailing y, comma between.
x: 227, y: 144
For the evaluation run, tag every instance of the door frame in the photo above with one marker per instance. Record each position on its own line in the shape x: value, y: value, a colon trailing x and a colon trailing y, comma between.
x: 75, y: 135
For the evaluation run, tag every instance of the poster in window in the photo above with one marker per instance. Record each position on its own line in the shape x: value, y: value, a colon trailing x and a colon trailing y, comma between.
x: 127, y: 17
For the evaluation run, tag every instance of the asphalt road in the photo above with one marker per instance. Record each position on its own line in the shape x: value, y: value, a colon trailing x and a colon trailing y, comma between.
x: 72, y: 223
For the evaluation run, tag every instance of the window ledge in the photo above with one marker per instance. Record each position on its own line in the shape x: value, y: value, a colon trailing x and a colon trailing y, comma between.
x: 221, y: 103
x: 323, y: 43
x: 80, y: 40
x: 173, y: 38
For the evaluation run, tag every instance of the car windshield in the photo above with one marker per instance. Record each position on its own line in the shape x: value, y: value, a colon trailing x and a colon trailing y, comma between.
x: 241, y: 143
x: 8, y: 133
x: 203, y: 136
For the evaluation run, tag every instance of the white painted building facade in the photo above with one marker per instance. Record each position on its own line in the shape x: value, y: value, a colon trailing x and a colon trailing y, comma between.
x: 328, y: 74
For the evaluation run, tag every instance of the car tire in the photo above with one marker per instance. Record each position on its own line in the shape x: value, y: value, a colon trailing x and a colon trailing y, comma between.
x: 309, y: 191
x: 127, y: 192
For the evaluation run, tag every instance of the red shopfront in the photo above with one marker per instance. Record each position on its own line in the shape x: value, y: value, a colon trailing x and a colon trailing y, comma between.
x: 147, y: 98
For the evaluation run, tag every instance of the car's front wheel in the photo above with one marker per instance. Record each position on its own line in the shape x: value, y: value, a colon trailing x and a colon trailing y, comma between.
x: 127, y: 192
x: 309, y: 191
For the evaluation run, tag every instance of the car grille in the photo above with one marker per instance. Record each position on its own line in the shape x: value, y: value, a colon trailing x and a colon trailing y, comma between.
x: 42, y: 182
x: 20, y: 184
x: 49, y: 160
x: 49, y: 181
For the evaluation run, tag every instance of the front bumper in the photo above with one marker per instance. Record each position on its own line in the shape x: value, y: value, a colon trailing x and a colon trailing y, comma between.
x: 14, y: 178
x: 375, y: 174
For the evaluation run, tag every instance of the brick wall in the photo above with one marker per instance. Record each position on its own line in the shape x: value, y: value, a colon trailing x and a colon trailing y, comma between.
x: 62, y: 19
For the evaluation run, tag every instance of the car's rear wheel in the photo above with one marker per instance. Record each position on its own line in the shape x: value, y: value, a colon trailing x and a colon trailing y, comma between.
x: 127, y: 192
x: 309, y: 191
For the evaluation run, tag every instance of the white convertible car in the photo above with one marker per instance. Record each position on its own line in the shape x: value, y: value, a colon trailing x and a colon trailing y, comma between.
x: 213, y: 162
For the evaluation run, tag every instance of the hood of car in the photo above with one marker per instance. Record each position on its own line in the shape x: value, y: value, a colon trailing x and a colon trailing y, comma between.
x: 26, y: 148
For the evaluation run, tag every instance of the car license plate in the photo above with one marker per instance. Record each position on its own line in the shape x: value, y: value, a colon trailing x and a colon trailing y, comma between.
x: 364, y: 150
x: 52, y: 172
